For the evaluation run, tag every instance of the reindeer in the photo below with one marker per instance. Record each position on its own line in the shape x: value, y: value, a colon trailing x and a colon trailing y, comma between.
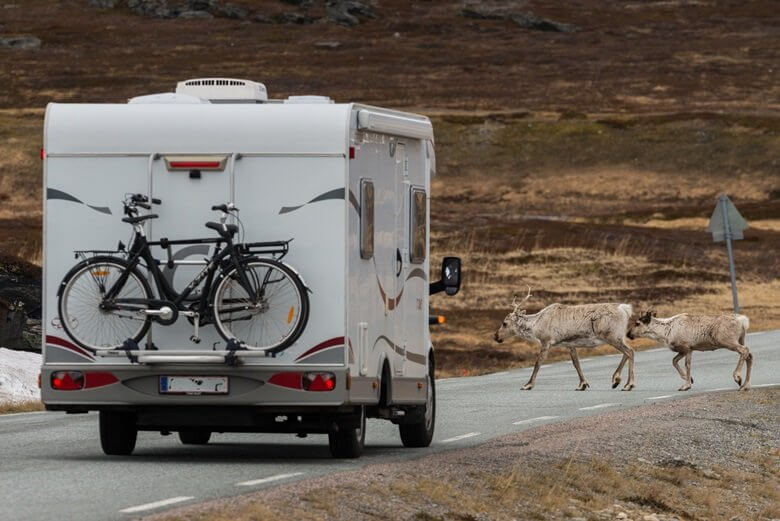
x: 587, y: 325
x: 686, y: 333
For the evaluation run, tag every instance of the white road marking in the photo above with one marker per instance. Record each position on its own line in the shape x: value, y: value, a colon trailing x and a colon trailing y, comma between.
x: 156, y: 504
x: 531, y: 420
x: 665, y: 396
x: 268, y: 479
x: 764, y: 385
x: 461, y: 437
x: 500, y: 373
x: 17, y: 414
x: 599, y: 406
x: 719, y: 389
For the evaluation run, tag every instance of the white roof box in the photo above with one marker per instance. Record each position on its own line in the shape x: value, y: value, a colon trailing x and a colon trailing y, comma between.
x: 224, y: 90
x: 307, y: 99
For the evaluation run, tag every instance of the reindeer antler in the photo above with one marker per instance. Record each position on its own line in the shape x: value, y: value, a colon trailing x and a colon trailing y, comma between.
x: 514, y: 301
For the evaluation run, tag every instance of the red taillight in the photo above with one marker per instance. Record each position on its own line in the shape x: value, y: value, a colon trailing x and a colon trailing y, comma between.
x: 291, y: 380
x: 39, y: 380
x: 99, y: 379
x: 352, y: 152
x: 318, y: 382
x: 67, y: 380
x: 43, y: 154
x: 196, y: 164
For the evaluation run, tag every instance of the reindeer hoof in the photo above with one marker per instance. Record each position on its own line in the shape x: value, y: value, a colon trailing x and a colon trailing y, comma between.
x: 685, y: 387
x: 628, y: 387
x: 738, y: 379
x: 745, y: 387
x: 615, y: 382
x: 528, y: 387
x: 582, y: 386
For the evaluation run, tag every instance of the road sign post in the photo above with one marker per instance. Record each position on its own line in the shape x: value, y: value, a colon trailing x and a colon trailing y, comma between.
x: 726, y: 224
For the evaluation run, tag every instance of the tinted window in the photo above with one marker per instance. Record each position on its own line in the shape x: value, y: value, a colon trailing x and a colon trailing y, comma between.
x: 419, y: 222
x: 366, y: 218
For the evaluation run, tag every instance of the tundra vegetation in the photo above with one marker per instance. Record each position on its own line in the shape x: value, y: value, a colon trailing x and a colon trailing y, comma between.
x: 584, y: 160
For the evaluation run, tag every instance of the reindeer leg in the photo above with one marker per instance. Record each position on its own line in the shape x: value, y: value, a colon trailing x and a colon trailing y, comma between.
x: 745, y: 356
x: 627, y: 353
x: 677, y: 358
x: 576, y: 361
x: 688, y: 378
x: 539, y: 359
x: 749, y: 361
x: 616, y: 376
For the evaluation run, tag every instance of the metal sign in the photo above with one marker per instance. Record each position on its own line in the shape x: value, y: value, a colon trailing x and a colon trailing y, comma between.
x: 727, y: 224
x: 726, y: 219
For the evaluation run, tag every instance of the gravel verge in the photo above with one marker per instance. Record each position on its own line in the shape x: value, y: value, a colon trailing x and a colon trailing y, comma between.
x: 713, y: 456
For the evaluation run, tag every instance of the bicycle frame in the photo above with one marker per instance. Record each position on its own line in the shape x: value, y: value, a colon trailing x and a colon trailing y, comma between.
x: 140, y: 251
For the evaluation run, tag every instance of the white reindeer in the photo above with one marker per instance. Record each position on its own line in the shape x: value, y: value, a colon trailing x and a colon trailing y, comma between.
x: 586, y: 325
x: 686, y: 333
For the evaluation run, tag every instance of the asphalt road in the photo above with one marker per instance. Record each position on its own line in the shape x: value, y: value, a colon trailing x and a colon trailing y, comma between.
x: 51, y: 465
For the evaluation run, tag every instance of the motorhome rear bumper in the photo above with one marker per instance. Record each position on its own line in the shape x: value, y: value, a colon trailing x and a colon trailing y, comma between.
x: 138, y: 386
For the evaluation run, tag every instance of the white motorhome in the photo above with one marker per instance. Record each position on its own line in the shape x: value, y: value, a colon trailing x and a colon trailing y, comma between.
x: 337, y: 193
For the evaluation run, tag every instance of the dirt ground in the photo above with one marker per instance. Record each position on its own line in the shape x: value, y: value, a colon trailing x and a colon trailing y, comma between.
x: 712, y: 457
x: 583, y: 164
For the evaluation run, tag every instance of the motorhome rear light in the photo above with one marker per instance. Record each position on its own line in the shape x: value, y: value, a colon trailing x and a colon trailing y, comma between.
x: 318, y: 382
x: 352, y: 152
x: 67, y: 380
x: 194, y: 164
x: 39, y: 380
x: 290, y: 380
x: 99, y: 379
x: 43, y: 154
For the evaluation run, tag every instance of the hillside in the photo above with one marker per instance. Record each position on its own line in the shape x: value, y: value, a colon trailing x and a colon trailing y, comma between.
x: 580, y: 147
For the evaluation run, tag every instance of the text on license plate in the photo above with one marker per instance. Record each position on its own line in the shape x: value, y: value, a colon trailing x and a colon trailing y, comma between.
x: 193, y: 385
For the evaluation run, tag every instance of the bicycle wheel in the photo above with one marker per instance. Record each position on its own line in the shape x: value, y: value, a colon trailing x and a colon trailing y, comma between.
x: 270, y: 315
x: 81, y: 295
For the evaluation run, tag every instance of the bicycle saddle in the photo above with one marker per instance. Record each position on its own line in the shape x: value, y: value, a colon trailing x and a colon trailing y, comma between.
x: 140, y: 218
x: 232, y: 229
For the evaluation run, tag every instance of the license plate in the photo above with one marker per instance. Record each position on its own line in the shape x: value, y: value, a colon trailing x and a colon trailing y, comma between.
x: 193, y: 385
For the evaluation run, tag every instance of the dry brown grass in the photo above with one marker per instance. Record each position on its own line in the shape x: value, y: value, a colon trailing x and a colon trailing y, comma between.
x: 27, y: 406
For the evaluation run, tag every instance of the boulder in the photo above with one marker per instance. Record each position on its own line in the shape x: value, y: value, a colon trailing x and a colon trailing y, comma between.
x: 529, y: 20
x: 348, y: 12
x: 232, y: 11
x: 293, y: 18
x: 20, y: 42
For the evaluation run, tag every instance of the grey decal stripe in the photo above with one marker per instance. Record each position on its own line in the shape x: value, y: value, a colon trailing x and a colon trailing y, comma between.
x: 412, y: 357
x: 336, y: 193
x: 53, y: 193
x: 417, y: 273
x: 354, y: 201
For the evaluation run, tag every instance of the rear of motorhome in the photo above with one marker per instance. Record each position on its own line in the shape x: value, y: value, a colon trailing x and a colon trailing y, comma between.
x: 335, y: 195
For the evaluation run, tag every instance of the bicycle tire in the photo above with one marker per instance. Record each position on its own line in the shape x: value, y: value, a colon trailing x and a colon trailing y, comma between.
x: 64, y: 292
x: 302, y: 313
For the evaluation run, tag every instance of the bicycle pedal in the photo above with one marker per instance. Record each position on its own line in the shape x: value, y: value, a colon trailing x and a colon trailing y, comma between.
x: 195, y: 339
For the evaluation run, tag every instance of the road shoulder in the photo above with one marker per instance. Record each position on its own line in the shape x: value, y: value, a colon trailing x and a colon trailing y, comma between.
x: 712, y: 456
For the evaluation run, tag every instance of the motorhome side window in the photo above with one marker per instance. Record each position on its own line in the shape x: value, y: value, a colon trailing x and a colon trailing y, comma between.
x: 366, y: 218
x: 419, y: 225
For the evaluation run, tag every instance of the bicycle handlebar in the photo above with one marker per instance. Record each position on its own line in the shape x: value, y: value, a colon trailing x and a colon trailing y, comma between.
x: 229, y: 207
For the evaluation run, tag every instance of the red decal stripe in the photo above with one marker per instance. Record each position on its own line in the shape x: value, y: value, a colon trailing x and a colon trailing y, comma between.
x: 339, y: 340
x: 61, y: 342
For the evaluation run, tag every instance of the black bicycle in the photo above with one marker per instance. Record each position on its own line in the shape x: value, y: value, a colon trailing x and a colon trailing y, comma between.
x: 254, y: 300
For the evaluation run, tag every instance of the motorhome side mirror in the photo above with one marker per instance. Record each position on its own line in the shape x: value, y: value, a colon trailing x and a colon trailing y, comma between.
x: 450, y: 277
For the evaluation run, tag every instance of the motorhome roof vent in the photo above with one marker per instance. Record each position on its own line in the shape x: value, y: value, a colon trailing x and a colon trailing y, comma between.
x: 224, y: 90
x: 308, y: 99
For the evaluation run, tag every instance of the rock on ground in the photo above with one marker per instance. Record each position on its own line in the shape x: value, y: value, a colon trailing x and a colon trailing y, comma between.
x: 19, y: 376
x: 20, y: 42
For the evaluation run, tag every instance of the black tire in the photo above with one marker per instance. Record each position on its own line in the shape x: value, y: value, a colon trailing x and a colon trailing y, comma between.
x: 63, y: 293
x: 118, y: 433
x: 420, y: 434
x: 194, y: 436
x: 349, y: 442
x: 300, y: 291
